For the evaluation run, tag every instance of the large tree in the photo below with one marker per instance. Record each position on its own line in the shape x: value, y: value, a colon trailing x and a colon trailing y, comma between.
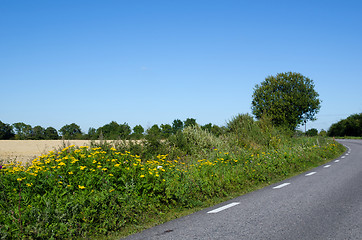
x: 289, y: 99
x: 113, y: 130
x: 51, y: 133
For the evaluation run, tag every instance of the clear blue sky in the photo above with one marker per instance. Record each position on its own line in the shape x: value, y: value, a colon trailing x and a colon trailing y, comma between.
x: 150, y: 62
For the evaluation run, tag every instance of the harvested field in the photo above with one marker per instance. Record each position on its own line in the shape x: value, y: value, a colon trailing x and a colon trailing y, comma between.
x: 26, y: 150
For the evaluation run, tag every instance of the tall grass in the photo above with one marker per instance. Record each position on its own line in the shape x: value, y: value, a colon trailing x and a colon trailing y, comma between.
x: 98, y: 190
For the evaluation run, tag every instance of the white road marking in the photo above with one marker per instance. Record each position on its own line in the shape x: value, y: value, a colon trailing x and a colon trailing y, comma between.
x: 310, y: 174
x: 343, y: 156
x: 347, y: 154
x: 224, y: 207
x: 281, y: 185
x: 336, y: 160
x: 327, y: 166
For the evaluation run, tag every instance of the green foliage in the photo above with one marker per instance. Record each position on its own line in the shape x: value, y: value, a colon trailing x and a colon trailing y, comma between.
x: 71, y: 131
x: 177, y: 125
x: 189, y: 122
x: 138, y: 131
x: 351, y: 126
x: 199, y: 142
x: 288, y: 98
x: 323, y: 133
x: 51, y: 133
x: 166, y: 130
x: 6, y: 131
x: 23, y: 131
x: 26, y: 132
x: 113, y: 130
x: 312, y: 132
x: 38, y: 133
x: 207, y: 127
x: 92, y: 134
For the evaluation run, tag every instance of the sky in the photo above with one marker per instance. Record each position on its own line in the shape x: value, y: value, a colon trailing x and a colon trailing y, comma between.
x: 151, y: 62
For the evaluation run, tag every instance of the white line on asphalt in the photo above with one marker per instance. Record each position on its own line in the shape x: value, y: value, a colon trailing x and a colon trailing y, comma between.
x: 281, y: 185
x: 310, y: 174
x: 343, y: 156
x: 224, y: 207
x: 327, y: 166
x: 336, y: 160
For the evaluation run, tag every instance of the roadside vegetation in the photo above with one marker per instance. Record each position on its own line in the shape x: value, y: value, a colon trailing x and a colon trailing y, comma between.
x: 116, y: 189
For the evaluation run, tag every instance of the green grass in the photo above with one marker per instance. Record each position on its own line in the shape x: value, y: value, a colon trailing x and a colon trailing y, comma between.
x: 111, y: 192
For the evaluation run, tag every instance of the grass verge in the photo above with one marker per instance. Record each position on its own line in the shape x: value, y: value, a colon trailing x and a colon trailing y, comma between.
x: 107, y: 192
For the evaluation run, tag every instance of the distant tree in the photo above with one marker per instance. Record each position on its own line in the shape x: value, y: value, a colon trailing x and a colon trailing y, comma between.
x: 110, y: 130
x: 190, y: 122
x: 351, y: 126
x: 153, y: 137
x: 207, y: 127
x: 51, y: 133
x: 113, y: 130
x: 38, y: 133
x: 312, y: 132
x: 6, y: 131
x: 288, y: 98
x: 177, y: 125
x: 166, y: 130
x: 23, y: 131
x: 323, y: 133
x: 214, y: 129
x: 124, y: 131
x: 138, y: 131
x: 71, y: 131
x: 92, y: 134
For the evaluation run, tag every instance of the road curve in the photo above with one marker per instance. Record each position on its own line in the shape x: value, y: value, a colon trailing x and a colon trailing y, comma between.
x: 324, y: 203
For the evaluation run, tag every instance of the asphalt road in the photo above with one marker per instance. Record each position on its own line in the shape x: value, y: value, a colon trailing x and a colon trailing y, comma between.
x: 324, y: 203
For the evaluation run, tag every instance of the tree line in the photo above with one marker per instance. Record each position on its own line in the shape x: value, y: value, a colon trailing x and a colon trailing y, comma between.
x: 110, y: 131
x: 351, y: 126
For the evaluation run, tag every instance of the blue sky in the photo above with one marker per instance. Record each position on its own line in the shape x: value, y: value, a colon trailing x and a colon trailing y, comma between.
x: 150, y: 62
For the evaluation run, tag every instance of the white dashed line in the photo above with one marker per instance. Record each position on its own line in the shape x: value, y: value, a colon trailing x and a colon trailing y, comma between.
x: 336, y: 160
x: 224, y: 207
x: 310, y: 174
x: 327, y: 166
x: 343, y: 156
x: 281, y: 185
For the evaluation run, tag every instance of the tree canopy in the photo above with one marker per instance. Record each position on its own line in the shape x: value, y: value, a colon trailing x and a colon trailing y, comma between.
x: 289, y: 99
x: 71, y: 131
